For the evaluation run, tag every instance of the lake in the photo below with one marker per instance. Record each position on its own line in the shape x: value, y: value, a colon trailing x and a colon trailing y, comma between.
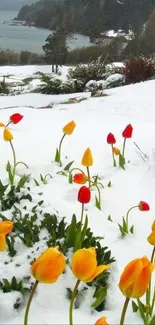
x: 21, y: 38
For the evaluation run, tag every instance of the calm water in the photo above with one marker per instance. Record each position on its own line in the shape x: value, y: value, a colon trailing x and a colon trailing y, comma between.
x: 19, y: 38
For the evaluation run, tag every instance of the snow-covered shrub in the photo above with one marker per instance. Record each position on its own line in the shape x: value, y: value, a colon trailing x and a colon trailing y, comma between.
x: 138, y: 69
x: 95, y: 70
x: 115, y: 80
x: 53, y: 86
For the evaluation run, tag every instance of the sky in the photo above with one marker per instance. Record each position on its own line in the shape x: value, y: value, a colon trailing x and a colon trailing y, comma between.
x: 14, y: 4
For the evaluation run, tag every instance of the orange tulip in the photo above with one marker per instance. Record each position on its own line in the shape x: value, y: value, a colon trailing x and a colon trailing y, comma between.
x: 80, y: 178
x: 101, y: 321
x: 69, y: 128
x: 87, y: 159
x: 2, y: 242
x: 49, y: 266
x: 7, y: 135
x: 2, y: 124
x: 116, y: 151
x: 6, y: 227
x: 151, y: 238
x: 136, y: 277
x: 84, y: 265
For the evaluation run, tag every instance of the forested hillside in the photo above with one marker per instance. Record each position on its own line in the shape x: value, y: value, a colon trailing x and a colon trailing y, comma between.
x: 88, y: 16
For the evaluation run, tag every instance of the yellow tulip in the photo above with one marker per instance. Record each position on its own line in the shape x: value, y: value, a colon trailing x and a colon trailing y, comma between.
x: 6, y: 227
x: 116, y: 151
x: 2, y: 124
x: 153, y: 225
x: 84, y: 265
x: 2, y: 242
x: 69, y: 128
x: 101, y: 321
x: 151, y: 238
x: 7, y: 135
x: 49, y: 266
x: 135, y: 278
x: 87, y: 159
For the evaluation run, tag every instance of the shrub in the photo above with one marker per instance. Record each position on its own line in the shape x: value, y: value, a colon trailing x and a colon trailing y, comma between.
x: 53, y: 86
x: 138, y: 69
x: 96, y: 70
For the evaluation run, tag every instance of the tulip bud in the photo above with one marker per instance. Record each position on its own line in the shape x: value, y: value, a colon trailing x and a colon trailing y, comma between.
x: 2, y: 124
x: 136, y: 277
x: 84, y: 195
x: 102, y: 321
x: 49, y: 266
x: 84, y: 265
x: 143, y: 206
x: 111, y: 139
x: 87, y: 159
x: 69, y: 128
x: 116, y: 151
x: 6, y: 227
x: 153, y: 225
x: 16, y: 118
x: 7, y: 135
x: 80, y: 178
x: 127, y: 133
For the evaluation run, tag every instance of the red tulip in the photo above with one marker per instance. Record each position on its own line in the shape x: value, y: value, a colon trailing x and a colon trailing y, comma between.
x: 84, y: 195
x: 143, y: 206
x: 111, y: 139
x: 127, y: 133
x: 16, y: 118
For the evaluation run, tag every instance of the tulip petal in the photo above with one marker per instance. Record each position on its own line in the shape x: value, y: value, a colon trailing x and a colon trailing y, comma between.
x: 142, y: 282
x: 2, y: 124
x: 6, y: 227
x: 129, y: 275
x: 7, y: 135
x: 2, y: 242
x: 84, y: 263
x: 98, y: 271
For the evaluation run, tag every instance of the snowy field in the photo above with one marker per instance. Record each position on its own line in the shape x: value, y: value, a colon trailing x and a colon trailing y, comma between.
x: 35, y: 140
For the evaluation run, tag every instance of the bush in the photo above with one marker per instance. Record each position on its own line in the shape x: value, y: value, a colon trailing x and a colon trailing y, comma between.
x: 138, y: 69
x: 96, y: 70
x: 53, y: 86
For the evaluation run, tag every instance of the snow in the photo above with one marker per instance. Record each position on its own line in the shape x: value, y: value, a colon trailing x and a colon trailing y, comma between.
x: 35, y: 139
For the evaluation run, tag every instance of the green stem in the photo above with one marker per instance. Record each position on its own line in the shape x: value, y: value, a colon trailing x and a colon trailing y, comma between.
x: 8, y: 124
x: 88, y: 173
x: 29, y: 303
x: 21, y: 162
x: 148, y: 294
x: 72, y: 302
x: 127, y: 215
x: 82, y: 211
x: 14, y: 162
x: 123, y: 151
x: 113, y: 156
x: 59, y: 150
x: 153, y: 253
x: 141, y: 311
x: 153, y: 302
x: 99, y: 195
x: 124, y: 311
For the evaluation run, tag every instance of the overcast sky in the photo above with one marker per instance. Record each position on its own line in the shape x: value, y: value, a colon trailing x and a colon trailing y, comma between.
x: 14, y: 4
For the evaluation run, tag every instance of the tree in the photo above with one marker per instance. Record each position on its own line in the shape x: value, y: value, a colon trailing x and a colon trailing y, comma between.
x: 56, y: 48
x: 149, y: 33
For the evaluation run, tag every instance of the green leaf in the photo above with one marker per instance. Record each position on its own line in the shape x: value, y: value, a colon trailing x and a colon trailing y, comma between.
x: 84, y: 230
x: 8, y: 168
x: 125, y: 226
x: 7, y: 285
x: 14, y: 283
x: 70, y: 178
x: 132, y: 229
x: 70, y: 235
x: 134, y: 307
x: 121, y: 161
x: 57, y: 156
x: 97, y: 203
x: 36, y: 182
x: 67, y: 167
x: 123, y: 233
x: 23, y: 180
x: 77, y: 244
x: 41, y: 177
x: 152, y: 321
x: 100, y: 295
x: 109, y: 184
x: 109, y: 218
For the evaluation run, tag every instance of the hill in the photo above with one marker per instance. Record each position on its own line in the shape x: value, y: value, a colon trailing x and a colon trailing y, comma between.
x: 88, y: 16
x: 14, y: 4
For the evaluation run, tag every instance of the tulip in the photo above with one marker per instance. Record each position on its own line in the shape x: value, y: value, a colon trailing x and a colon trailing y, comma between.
x: 116, y: 151
x: 127, y: 133
x: 136, y: 277
x: 84, y: 265
x: 102, y: 321
x: 7, y: 135
x: 69, y: 128
x: 46, y: 269
x: 135, y: 280
x: 153, y: 225
x: 16, y: 118
x: 111, y: 140
x: 49, y: 266
x: 2, y: 242
x: 87, y: 161
x: 2, y: 124
x: 143, y: 206
x: 6, y: 227
x: 84, y: 195
x: 80, y: 178
x: 151, y: 238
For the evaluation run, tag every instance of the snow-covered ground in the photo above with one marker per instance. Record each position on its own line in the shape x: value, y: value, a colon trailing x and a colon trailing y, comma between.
x: 35, y: 139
